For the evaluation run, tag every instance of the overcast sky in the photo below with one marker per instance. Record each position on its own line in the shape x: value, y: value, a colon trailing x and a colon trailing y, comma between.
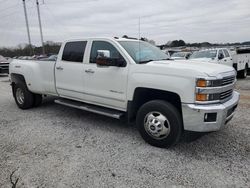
x: 161, y: 20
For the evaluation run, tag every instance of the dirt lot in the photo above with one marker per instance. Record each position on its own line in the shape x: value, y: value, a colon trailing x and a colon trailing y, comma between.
x: 56, y: 146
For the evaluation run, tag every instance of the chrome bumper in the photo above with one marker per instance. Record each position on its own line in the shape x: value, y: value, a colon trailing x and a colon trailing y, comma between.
x: 194, y: 115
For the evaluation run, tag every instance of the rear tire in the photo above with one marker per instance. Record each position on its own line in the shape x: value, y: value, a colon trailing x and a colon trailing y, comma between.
x: 37, y: 100
x: 23, y: 97
x: 159, y: 123
x: 243, y: 73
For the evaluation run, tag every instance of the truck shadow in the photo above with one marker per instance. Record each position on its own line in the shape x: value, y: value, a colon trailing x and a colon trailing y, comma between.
x: 48, y: 102
x: 195, y: 146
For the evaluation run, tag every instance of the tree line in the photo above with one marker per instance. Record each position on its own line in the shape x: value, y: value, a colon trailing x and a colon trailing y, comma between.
x: 27, y: 50
x: 54, y: 47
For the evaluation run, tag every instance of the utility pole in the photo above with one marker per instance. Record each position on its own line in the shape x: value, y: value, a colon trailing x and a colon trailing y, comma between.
x: 40, y: 24
x: 27, y: 25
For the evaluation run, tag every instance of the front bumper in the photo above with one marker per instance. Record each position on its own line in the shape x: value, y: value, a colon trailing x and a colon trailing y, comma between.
x: 194, y: 115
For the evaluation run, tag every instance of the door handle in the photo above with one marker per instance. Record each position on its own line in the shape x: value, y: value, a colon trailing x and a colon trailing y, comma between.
x: 59, y: 68
x: 89, y: 71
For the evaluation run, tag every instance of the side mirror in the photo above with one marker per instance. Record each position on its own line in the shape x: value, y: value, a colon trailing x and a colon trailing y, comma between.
x: 220, y: 56
x: 103, y: 59
x: 103, y: 54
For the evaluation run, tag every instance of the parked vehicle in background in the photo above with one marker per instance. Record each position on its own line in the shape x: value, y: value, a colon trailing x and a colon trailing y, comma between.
x: 215, y: 55
x: 181, y: 55
x: 115, y: 78
x: 41, y: 57
x: 50, y: 58
x: 241, y: 61
x: 4, y: 65
x: 166, y: 52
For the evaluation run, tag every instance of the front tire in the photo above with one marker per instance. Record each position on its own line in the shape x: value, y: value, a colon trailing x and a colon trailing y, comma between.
x: 23, y: 97
x: 159, y: 123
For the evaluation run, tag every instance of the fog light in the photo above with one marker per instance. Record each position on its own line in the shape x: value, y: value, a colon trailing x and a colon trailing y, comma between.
x: 210, y: 117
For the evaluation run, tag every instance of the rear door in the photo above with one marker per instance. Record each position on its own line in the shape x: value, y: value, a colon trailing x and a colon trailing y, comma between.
x: 69, y: 70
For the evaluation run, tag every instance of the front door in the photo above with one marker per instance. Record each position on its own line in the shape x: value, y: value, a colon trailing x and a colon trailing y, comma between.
x: 69, y: 71
x: 106, y: 85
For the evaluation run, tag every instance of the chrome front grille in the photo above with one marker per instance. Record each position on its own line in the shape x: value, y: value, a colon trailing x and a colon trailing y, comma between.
x: 228, y: 80
x: 4, y: 65
x: 226, y: 94
x: 218, y: 90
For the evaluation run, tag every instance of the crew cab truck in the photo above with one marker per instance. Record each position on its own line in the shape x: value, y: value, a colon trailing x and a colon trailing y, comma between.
x: 131, y: 80
x: 239, y: 59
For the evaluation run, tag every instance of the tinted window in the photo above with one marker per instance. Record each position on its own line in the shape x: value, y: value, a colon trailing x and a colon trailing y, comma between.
x: 102, y: 45
x: 226, y: 53
x: 74, y: 51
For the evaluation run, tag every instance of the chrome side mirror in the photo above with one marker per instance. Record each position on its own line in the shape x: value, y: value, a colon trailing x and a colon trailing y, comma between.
x: 103, y: 54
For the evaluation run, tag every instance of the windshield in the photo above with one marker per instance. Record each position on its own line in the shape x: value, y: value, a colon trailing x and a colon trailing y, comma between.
x: 204, y: 54
x: 143, y: 52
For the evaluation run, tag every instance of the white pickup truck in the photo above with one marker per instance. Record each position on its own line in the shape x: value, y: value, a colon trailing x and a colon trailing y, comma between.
x: 240, y: 59
x: 132, y: 80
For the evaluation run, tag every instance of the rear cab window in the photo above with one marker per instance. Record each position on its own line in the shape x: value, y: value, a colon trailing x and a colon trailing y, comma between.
x: 74, y: 51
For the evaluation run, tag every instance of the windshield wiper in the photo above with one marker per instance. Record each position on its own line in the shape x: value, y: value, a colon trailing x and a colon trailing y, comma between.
x: 146, y: 61
x: 164, y: 59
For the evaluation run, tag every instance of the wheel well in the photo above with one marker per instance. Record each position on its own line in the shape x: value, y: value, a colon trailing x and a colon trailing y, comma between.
x: 16, y: 78
x: 143, y: 95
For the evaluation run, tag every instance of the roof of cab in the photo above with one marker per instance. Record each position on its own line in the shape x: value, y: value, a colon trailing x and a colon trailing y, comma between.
x: 101, y: 38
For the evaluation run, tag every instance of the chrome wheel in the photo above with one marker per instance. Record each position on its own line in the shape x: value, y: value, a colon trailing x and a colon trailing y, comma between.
x: 157, y: 125
x: 20, y: 96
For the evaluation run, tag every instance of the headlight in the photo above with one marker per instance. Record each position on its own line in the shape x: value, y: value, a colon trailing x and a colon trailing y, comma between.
x: 207, y: 85
x: 203, y: 83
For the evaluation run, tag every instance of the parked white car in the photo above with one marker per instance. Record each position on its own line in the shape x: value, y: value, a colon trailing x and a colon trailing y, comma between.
x: 215, y: 55
x: 240, y: 60
x: 4, y: 65
x: 116, y: 78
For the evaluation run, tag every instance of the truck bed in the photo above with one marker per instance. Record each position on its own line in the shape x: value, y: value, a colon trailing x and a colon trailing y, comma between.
x: 39, y: 75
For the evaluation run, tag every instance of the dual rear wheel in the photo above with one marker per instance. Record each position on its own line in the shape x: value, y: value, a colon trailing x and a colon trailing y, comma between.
x: 24, y: 98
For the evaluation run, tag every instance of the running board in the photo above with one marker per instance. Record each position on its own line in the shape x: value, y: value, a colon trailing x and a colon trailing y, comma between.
x: 90, y: 108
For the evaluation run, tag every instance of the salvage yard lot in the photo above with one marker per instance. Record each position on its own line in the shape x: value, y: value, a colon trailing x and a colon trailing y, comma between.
x: 57, y: 146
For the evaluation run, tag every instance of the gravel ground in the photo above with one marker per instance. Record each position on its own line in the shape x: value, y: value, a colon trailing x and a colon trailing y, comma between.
x: 57, y: 146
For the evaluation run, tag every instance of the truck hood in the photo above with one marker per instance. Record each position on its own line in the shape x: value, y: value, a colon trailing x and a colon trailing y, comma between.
x: 191, y: 67
x: 208, y: 60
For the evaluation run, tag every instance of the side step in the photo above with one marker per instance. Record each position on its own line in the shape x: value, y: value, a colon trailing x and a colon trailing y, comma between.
x: 91, y: 108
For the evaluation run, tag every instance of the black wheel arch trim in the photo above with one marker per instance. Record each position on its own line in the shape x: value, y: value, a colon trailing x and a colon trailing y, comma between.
x: 143, y: 95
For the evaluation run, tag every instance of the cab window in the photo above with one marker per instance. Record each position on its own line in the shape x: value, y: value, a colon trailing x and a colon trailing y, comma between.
x: 103, y: 45
x: 74, y: 51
